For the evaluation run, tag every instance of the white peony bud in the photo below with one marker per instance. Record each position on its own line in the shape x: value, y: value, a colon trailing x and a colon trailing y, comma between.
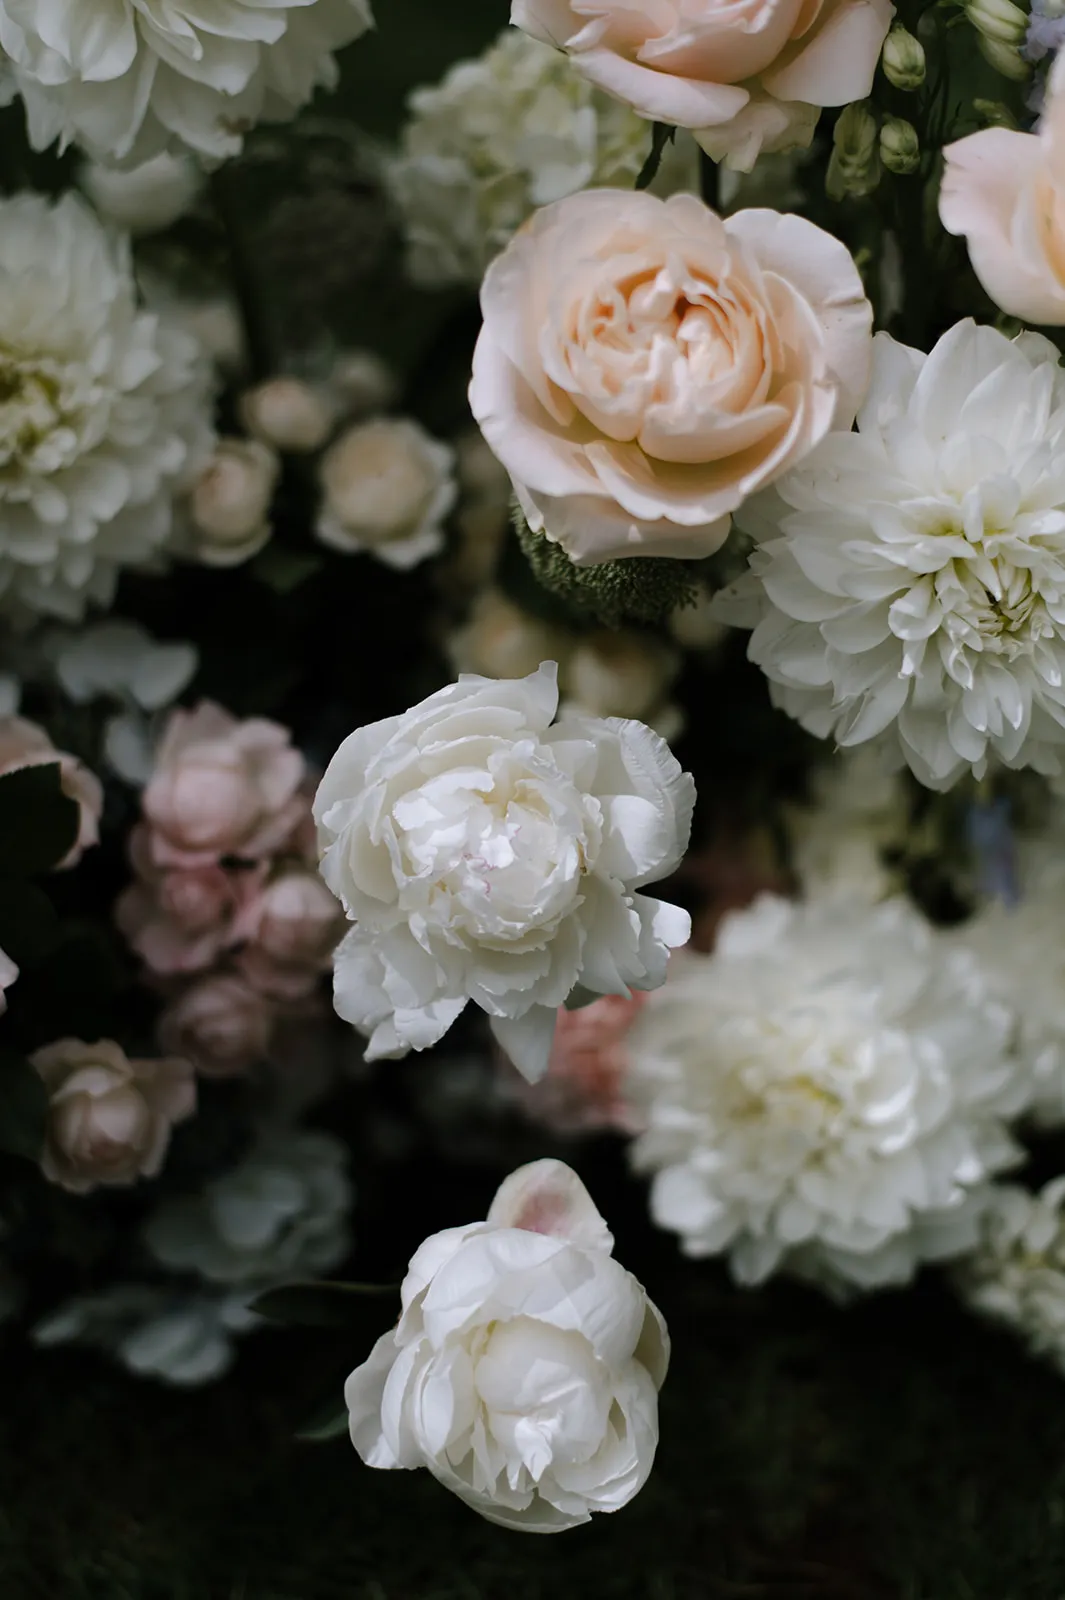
x: 523, y: 1334
x: 230, y: 505
x: 900, y: 149
x: 903, y: 59
x: 387, y: 487
x: 147, y: 198
x: 287, y: 414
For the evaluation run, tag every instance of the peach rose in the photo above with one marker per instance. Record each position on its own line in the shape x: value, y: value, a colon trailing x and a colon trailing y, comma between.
x: 24, y: 744
x: 582, y: 1089
x: 181, y: 919
x: 110, y: 1118
x: 744, y: 75
x: 221, y: 1024
x: 1005, y: 192
x: 645, y: 366
x: 222, y: 788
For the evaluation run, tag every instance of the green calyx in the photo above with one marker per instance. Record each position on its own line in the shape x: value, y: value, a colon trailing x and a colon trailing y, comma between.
x: 638, y: 589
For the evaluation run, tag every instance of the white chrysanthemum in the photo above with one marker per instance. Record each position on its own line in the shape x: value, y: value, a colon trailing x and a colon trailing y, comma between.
x: 912, y: 575
x: 1016, y: 1275
x: 499, y: 136
x: 155, y: 1333
x: 105, y: 411
x: 282, y: 1213
x: 857, y: 812
x: 824, y: 1094
x: 134, y: 77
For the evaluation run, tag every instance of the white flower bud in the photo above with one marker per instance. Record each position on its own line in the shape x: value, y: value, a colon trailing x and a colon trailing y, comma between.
x: 229, y: 506
x: 853, y: 167
x: 900, y: 149
x: 288, y: 414
x: 903, y: 59
x: 502, y: 641
x: 622, y: 674
x: 147, y: 198
x: 998, y: 20
x: 1005, y: 58
x: 387, y: 488
x: 362, y: 383
x: 993, y: 114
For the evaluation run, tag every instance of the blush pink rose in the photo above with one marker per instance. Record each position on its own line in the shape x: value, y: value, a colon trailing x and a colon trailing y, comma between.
x: 221, y: 1024
x: 109, y: 1118
x: 291, y: 929
x: 744, y: 75
x: 221, y: 787
x: 181, y: 919
x: 1005, y: 193
x: 581, y: 1092
x: 645, y: 366
x: 24, y: 744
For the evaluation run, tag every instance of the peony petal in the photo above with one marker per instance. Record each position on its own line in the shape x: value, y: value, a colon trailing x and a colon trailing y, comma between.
x: 548, y: 1197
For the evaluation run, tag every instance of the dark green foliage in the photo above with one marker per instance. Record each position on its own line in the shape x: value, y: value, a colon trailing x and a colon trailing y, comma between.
x: 38, y: 822
x: 639, y: 589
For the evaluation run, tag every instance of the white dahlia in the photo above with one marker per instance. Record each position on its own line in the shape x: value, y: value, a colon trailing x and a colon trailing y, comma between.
x: 911, y: 576
x: 1016, y: 1275
x: 825, y: 1094
x: 126, y: 79
x: 499, y: 136
x: 105, y: 411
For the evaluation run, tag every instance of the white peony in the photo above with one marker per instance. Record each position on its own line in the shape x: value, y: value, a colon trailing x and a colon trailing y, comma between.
x: 825, y: 1094
x: 134, y: 77
x: 498, y: 137
x: 154, y: 1333
x: 105, y: 411
x: 525, y: 1367
x: 1016, y: 1275
x: 911, y: 576
x: 282, y: 1213
x: 486, y: 855
x: 858, y: 811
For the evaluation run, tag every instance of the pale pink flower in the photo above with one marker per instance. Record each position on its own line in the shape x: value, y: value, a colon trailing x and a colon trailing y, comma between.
x: 222, y: 787
x: 745, y: 75
x: 220, y: 1023
x: 24, y: 744
x: 291, y: 929
x: 181, y: 919
x: 110, y: 1118
x: 581, y: 1092
x: 645, y: 366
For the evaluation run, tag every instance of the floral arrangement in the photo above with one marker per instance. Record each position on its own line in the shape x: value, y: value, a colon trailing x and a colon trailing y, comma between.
x: 573, y: 592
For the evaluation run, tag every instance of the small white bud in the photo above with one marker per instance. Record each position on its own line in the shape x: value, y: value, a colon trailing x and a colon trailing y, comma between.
x: 903, y: 59
x: 1005, y: 58
x: 230, y: 504
x: 361, y: 383
x: 900, y: 149
x: 288, y: 414
x: 998, y: 20
x: 147, y: 198
x: 853, y: 167
x: 387, y: 487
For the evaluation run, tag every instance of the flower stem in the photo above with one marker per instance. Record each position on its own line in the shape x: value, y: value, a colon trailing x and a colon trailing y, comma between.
x: 242, y: 273
x: 661, y: 135
x: 708, y: 179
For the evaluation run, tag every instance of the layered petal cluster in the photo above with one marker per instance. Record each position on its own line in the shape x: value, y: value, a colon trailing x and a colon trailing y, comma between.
x: 525, y: 1367
x: 485, y: 854
x: 745, y: 75
x: 645, y: 366
x: 910, y: 579
x: 105, y: 411
x: 126, y: 79
x: 499, y: 136
x: 1016, y: 1275
x: 826, y: 1094
x: 1004, y: 192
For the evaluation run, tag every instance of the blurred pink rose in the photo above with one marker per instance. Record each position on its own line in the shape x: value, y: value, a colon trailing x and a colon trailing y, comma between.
x: 110, y: 1118
x: 24, y: 744
x: 181, y: 919
x: 1005, y: 192
x: 582, y: 1089
x: 644, y: 366
x: 222, y: 787
x: 221, y: 1024
x: 295, y: 920
x: 8, y: 974
x: 745, y: 75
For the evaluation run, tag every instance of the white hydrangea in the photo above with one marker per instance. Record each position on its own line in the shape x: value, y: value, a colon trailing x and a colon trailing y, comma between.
x: 105, y: 411
x: 826, y: 1094
x: 499, y: 136
x: 135, y: 77
x: 282, y: 1213
x: 911, y: 576
x: 1016, y: 1275
x: 858, y: 809
x: 154, y: 1333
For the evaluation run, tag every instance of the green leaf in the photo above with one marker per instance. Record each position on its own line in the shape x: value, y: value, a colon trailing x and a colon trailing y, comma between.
x: 320, y: 1305
x: 23, y: 1107
x: 330, y: 1421
x: 29, y: 927
x: 38, y: 822
x: 284, y: 570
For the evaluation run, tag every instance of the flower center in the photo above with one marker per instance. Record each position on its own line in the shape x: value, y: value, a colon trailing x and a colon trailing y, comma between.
x: 31, y: 415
